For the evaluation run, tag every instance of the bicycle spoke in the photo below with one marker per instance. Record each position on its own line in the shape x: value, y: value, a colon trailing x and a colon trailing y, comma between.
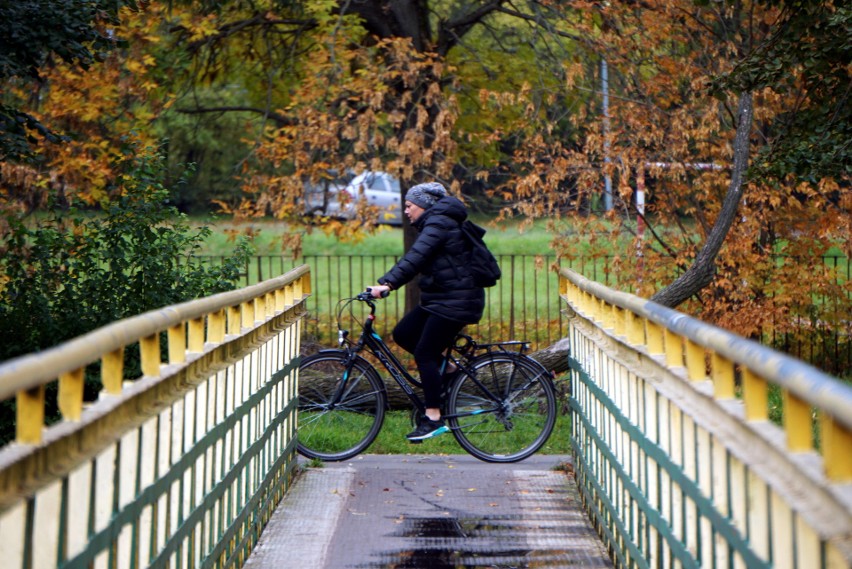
x: 504, y: 410
x: 335, y: 423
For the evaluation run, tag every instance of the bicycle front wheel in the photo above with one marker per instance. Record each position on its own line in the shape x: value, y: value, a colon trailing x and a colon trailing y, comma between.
x: 506, y: 411
x: 341, y: 409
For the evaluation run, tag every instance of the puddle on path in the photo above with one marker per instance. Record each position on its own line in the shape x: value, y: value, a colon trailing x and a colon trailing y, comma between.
x: 472, y: 543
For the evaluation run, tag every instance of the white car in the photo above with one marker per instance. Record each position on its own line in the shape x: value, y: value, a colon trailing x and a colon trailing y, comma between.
x: 379, y: 189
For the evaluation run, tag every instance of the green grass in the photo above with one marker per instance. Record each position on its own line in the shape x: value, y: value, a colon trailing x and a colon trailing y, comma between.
x: 503, y: 239
x: 391, y: 439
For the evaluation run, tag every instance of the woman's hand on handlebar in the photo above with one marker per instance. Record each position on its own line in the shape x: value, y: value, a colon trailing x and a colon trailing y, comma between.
x: 379, y: 291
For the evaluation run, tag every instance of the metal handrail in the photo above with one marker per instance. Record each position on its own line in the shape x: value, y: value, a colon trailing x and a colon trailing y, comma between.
x: 803, y: 380
x: 34, y: 370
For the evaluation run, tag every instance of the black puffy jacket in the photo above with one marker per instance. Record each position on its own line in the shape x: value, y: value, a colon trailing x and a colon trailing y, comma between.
x: 440, y: 256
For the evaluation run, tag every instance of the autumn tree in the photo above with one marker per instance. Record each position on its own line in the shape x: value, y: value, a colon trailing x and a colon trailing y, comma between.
x: 35, y: 33
x: 63, y: 273
x: 103, y: 112
x: 380, y: 85
x: 693, y: 108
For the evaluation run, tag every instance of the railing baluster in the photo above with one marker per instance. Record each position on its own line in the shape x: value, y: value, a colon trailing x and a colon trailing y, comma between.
x: 149, y: 349
x: 177, y: 343
x: 797, y: 423
x: 29, y: 415
x: 112, y: 371
x: 755, y: 396
x: 71, y: 394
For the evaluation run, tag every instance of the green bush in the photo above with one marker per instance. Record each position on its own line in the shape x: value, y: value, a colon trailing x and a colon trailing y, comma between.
x: 71, y: 273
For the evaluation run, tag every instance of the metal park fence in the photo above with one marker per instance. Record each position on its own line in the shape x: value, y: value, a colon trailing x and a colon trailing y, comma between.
x: 522, y: 306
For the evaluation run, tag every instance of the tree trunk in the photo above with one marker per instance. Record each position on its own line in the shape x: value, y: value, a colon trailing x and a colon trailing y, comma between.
x: 554, y: 357
x: 701, y: 272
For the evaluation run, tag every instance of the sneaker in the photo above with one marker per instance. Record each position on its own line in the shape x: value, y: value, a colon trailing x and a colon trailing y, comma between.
x: 426, y: 429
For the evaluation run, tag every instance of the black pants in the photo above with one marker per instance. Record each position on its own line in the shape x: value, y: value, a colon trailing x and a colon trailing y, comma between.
x: 426, y: 336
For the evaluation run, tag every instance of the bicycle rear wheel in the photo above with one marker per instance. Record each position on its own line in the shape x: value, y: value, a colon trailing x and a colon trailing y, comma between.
x: 333, y: 427
x: 504, y: 413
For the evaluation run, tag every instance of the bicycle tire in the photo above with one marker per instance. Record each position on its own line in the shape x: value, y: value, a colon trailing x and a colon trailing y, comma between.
x: 514, y: 426
x: 340, y: 431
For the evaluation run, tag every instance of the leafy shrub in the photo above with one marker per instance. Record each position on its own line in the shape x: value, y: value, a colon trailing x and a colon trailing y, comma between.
x: 71, y: 273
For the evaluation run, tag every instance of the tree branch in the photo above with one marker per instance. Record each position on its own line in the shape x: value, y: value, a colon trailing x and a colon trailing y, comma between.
x: 702, y: 270
x: 258, y: 20
x: 280, y: 120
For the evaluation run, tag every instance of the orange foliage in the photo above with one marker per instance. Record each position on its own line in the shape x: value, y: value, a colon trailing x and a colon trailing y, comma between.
x: 105, y: 112
x: 662, y: 119
x: 379, y: 107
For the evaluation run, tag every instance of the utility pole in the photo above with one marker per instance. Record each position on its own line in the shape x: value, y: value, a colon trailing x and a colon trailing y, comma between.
x: 607, y: 159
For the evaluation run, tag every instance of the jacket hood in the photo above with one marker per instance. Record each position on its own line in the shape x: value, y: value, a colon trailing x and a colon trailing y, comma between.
x: 447, y: 206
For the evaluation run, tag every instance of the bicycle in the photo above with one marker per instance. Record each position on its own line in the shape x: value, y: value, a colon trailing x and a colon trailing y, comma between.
x: 500, y: 406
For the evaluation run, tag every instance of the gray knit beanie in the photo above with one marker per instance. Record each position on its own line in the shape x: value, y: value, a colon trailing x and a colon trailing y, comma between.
x: 425, y: 195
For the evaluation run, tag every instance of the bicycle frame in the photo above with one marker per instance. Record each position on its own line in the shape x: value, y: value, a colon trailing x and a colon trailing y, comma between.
x: 375, y: 345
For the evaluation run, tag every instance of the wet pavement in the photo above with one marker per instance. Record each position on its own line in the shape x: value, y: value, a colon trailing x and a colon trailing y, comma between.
x: 431, y: 512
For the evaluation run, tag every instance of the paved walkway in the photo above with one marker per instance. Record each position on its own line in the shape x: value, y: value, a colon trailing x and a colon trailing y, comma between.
x: 430, y: 512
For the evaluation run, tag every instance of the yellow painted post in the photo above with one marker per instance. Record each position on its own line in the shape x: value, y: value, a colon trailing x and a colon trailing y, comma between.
x: 306, y: 283
x: 247, y: 313
x: 112, y: 371
x: 298, y: 292
x: 755, y: 396
x: 695, y: 367
x: 590, y: 303
x: 604, y: 314
x: 234, y: 320
x: 216, y: 327
x: 279, y: 299
x: 70, y: 397
x: 655, y: 338
x: 722, y: 370
x: 149, y: 348
x: 259, y: 308
x: 674, y: 349
x: 288, y: 295
x: 177, y: 343
x: 635, y: 328
x: 196, y: 335
x: 29, y: 413
x: 618, y: 320
x: 836, y: 445
x: 797, y: 423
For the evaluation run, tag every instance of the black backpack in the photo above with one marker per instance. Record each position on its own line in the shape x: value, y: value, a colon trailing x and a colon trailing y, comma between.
x: 483, y: 265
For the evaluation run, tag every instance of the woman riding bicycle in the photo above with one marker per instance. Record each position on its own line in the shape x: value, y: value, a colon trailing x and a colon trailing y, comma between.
x: 449, y: 299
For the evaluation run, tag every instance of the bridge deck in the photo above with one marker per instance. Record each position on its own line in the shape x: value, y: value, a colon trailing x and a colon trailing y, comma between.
x: 431, y: 511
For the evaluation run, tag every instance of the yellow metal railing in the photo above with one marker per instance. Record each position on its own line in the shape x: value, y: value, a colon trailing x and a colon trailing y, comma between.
x: 676, y: 458
x: 180, y: 467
